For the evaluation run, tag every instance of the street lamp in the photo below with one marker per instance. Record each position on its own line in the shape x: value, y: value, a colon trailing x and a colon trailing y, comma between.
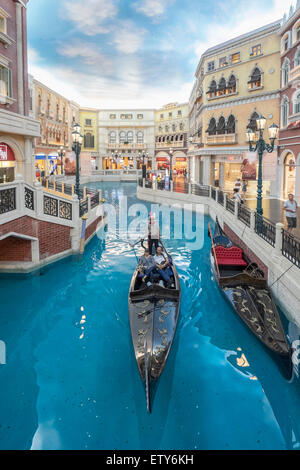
x: 260, y: 147
x: 171, y: 169
x: 61, y: 154
x: 77, y: 143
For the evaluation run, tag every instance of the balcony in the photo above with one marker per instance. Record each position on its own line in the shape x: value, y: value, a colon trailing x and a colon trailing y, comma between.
x: 167, y: 145
x: 222, y: 139
x: 294, y: 73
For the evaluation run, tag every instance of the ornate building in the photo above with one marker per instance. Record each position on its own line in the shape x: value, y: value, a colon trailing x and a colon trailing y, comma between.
x: 124, y: 137
x: 289, y: 136
x: 89, y: 130
x: 56, y: 115
x: 171, y: 132
x: 17, y: 129
x: 235, y: 81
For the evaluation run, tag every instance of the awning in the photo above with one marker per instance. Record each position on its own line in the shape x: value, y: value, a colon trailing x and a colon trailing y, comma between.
x: 40, y: 157
x: 294, y: 125
x: 6, y: 153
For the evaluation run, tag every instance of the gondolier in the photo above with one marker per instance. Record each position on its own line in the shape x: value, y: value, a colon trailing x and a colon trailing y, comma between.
x: 153, y: 234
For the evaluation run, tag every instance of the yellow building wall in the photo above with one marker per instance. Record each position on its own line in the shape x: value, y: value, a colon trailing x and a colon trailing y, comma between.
x: 93, y: 129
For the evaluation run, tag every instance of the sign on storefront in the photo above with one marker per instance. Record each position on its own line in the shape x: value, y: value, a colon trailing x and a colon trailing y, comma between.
x: 249, y: 166
x: 3, y: 152
x: 270, y: 166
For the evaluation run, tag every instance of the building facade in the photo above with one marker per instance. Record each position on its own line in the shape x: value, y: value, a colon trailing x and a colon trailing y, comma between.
x: 126, y: 138
x: 90, y: 159
x: 56, y: 115
x: 17, y: 129
x: 289, y: 135
x: 235, y: 81
x: 171, y: 133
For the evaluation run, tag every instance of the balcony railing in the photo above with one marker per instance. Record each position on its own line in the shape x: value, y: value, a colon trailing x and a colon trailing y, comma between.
x: 221, y: 139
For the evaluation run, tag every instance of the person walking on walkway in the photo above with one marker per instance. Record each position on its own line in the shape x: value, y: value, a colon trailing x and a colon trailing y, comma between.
x: 290, y: 207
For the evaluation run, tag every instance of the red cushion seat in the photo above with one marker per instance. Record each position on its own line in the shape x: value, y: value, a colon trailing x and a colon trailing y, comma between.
x: 232, y: 256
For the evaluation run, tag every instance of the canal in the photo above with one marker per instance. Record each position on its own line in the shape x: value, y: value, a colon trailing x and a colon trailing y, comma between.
x: 71, y: 382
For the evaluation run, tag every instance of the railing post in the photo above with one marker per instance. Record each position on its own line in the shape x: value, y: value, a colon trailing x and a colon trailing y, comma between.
x: 144, y: 183
x: 190, y: 188
x: 54, y: 185
x: 171, y: 186
x: 63, y: 188
x: 89, y: 204
x: 73, y: 190
x: 278, y: 238
x: 252, y: 220
x: 100, y: 195
x: 210, y: 188
x: 236, y: 208
x: 217, y: 194
x: 84, y: 192
x: 225, y: 201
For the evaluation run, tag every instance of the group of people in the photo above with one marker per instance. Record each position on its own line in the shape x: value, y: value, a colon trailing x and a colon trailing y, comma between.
x: 238, y: 187
x: 150, y: 267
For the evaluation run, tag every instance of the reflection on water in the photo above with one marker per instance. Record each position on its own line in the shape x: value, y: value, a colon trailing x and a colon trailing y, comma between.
x: 71, y: 380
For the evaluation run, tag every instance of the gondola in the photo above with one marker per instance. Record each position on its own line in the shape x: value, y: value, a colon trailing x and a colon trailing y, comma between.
x: 153, y: 315
x: 246, y: 289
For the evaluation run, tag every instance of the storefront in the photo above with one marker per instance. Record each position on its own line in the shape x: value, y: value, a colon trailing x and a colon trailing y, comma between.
x: 47, y: 165
x: 181, y: 165
x: 227, y: 169
x: 7, y: 164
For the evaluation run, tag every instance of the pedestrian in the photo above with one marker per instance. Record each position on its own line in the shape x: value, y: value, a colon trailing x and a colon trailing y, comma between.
x: 244, y: 187
x: 237, y: 184
x: 237, y: 196
x: 290, y: 207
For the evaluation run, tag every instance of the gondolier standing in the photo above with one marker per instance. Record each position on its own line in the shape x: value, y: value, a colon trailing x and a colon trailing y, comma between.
x: 153, y: 234
x: 290, y: 207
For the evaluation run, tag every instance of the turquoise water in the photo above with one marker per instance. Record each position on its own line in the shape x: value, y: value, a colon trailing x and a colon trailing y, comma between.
x: 71, y: 381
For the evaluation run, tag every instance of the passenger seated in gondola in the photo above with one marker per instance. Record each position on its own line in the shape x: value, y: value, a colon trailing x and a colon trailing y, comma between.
x: 163, y: 267
x: 146, y: 267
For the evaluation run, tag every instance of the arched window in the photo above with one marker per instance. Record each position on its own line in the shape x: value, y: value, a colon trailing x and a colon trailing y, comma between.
x: 212, y: 91
x: 174, y: 127
x: 130, y: 137
x: 284, y: 112
x: 221, y: 126
x: 181, y: 137
x: 230, y: 128
x: 181, y: 126
x: 231, y: 84
x: 252, y: 122
x: 123, y: 137
x: 255, y: 79
x: 297, y: 103
x: 112, y: 137
x: 140, y: 137
x: 222, y: 87
x: 167, y: 128
x: 212, y: 127
x: 286, y: 72
x: 89, y: 140
x: 297, y: 57
x: 297, y: 33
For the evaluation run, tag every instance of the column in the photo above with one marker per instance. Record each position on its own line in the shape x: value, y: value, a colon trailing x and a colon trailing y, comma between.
x: 29, y: 170
x: 221, y: 175
x: 278, y: 238
x: 207, y: 168
x: 20, y: 57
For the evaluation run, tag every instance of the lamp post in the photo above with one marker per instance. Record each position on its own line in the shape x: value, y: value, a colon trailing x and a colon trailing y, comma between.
x: 77, y: 143
x: 260, y: 147
x: 61, y: 154
x: 171, y: 168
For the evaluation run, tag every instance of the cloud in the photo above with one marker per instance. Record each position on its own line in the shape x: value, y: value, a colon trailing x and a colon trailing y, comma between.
x: 89, y: 53
x: 91, y: 16
x: 128, y: 38
x: 152, y: 8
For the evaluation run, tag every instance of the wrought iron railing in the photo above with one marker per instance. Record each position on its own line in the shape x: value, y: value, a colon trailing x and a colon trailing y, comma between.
x: 244, y: 214
x: 221, y: 197
x: 83, y: 207
x: 7, y: 200
x: 200, y: 190
x: 291, y: 248
x: 213, y: 193
x: 265, y: 229
x: 29, y: 198
x: 95, y: 200
x: 230, y: 205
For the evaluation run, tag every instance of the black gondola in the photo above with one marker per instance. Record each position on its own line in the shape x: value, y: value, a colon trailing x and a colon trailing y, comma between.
x: 153, y: 315
x: 245, y: 287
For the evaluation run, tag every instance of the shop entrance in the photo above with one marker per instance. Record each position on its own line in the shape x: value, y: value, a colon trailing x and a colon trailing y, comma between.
x: 289, y: 175
x: 7, y: 164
